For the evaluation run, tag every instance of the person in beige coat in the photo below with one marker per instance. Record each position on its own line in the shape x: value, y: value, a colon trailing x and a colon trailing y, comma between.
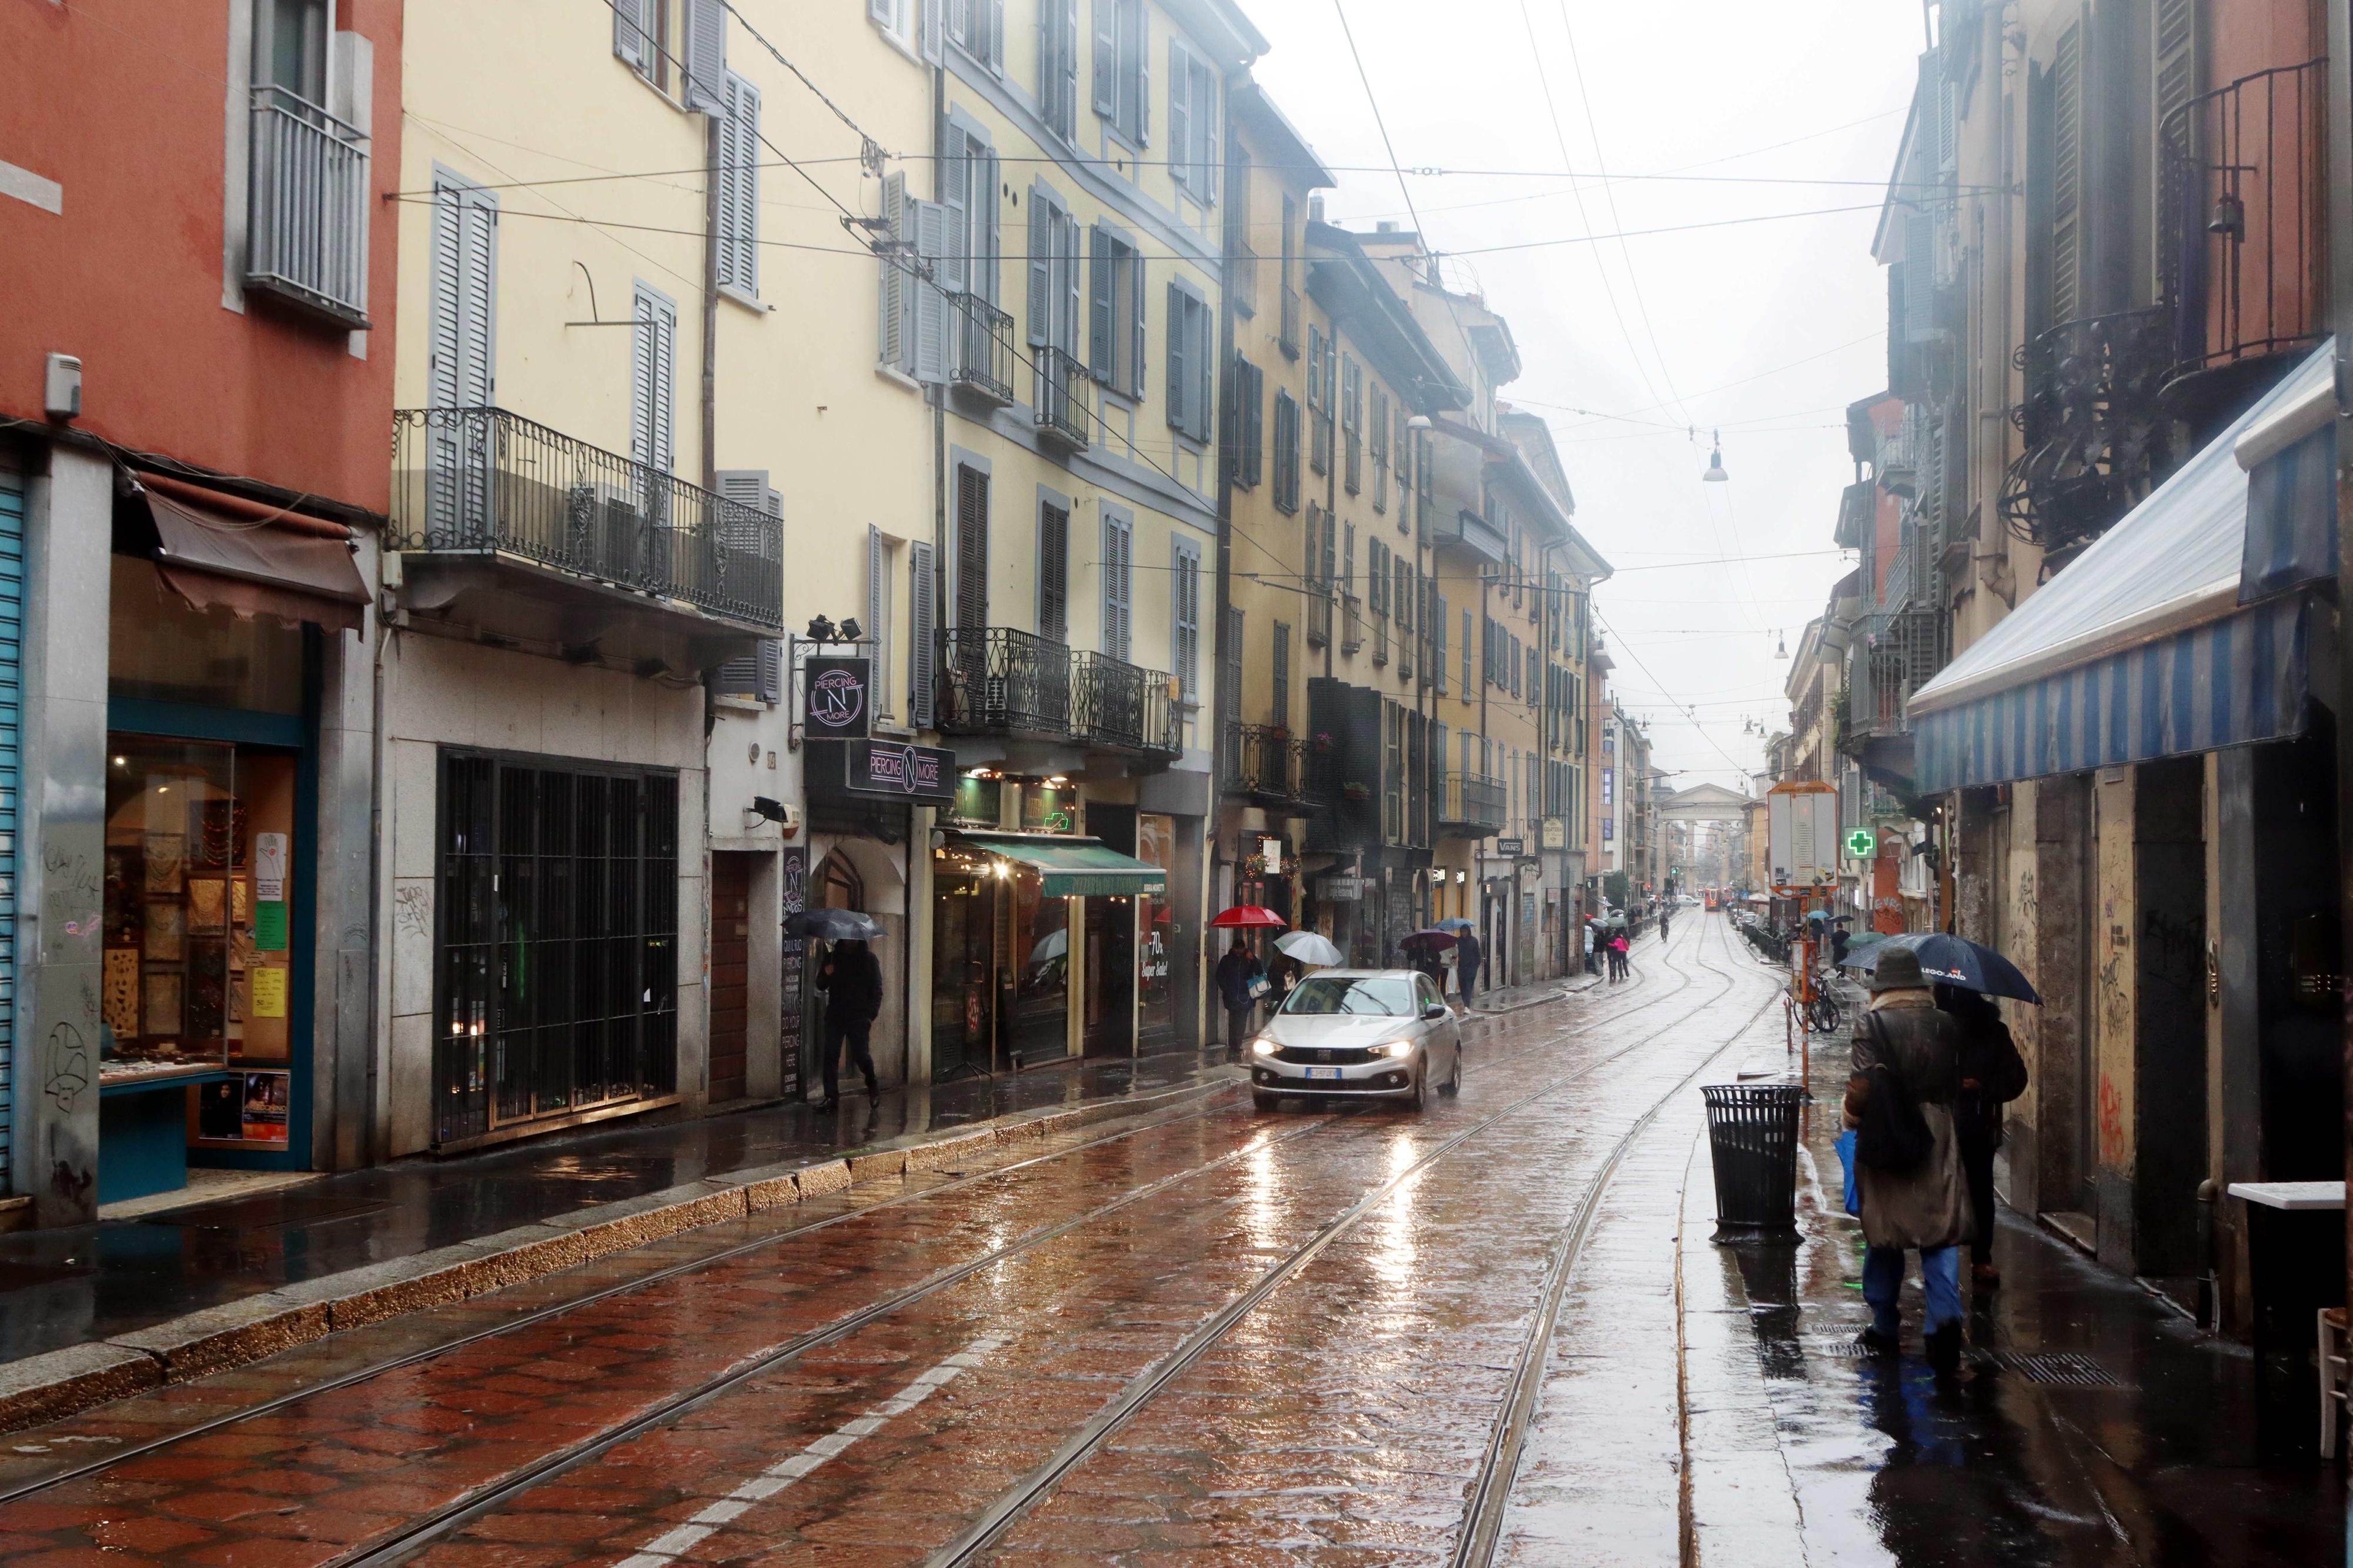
x: 1904, y: 1045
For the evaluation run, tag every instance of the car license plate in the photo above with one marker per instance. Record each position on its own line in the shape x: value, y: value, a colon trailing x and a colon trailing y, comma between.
x: 1324, y: 1072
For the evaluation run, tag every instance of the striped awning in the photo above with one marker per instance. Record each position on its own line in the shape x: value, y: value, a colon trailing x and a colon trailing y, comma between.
x: 2290, y: 456
x: 2228, y: 682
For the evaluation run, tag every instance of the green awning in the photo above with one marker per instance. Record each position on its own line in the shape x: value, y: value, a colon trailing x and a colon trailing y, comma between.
x: 1074, y: 867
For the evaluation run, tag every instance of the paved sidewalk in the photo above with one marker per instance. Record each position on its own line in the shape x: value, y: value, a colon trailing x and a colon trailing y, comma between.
x: 69, y: 1288
x: 2090, y: 1423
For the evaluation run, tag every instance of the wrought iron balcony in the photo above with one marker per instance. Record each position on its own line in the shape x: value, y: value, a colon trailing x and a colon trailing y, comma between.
x: 1114, y: 703
x: 1894, y: 655
x: 1263, y: 761
x: 984, y: 341
x: 2090, y: 426
x: 1470, y: 805
x: 307, y: 224
x: 998, y: 681
x: 1288, y: 336
x: 2243, y: 208
x: 1066, y: 399
x: 485, y: 482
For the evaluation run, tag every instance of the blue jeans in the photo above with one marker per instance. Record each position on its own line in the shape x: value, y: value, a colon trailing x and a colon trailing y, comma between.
x: 1883, y: 1285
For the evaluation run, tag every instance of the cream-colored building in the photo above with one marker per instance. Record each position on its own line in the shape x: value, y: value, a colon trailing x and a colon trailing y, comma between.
x: 636, y: 346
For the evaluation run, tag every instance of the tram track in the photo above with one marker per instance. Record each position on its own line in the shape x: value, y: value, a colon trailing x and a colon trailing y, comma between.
x: 979, y: 1538
x: 441, y: 1523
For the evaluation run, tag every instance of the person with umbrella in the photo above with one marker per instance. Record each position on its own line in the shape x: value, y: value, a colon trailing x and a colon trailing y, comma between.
x: 1468, y: 957
x: 1993, y: 1075
x: 852, y: 983
x: 1239, y: 972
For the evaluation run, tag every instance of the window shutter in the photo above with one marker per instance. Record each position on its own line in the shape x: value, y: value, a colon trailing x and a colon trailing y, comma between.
x: 1106, y: 58
x: 705, y: 87
x: 1919, y: 277
x: 891, y: 338
x: 996, y: 45
x: 739, y: 188
x: 971, y: 607
x: 2067, y: 177
x: 1068, y: 338
x: 1185, y: 615
x: 878, y: 606
x: 1204, y: 386
x: 653, y: 383
x: 1066, y: 64
x: 2175, y: 63
x: 464, y: 285
x: 983, y: 281
x: 1204, y: 104
x: 1139, y: 71
x: 1118, y: 540
x: 1229, y: 681
x: 1135, y: 323
x: 1180, y: 111
x: 770, y: 687
x: 883, y: 12
x: 936, y: 31
x: 1254, y: 423
x: 920, y: 616
x: 633, y: 30
x: 1100, y: 358
x: 1178, y: 349
x: 930, y: 301
x: 1053, y: 573
x: 738, y: 676
x: 1041, y: 240
x: 955, y: 189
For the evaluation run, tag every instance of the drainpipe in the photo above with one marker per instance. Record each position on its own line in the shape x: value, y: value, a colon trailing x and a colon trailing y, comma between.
x: 711, y: 302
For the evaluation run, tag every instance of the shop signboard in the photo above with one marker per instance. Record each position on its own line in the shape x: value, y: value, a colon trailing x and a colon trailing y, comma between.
x: 836, y: 706
x: 897, y: 770
x: 1552, y: 832
x: 1511, y: 848
x: 1802, y: 836
x: 1344, y: 887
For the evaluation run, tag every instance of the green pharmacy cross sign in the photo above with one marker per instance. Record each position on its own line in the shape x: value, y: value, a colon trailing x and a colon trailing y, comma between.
x: 1862, y: 843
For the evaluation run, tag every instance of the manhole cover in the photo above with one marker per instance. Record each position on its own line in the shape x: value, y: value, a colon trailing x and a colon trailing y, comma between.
x: 1842, y: 1350
x: 2064, y: 1367
x: 265, y: 1212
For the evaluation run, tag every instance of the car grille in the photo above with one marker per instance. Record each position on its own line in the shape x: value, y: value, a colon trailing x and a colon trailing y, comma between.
x: 1325, y: 1056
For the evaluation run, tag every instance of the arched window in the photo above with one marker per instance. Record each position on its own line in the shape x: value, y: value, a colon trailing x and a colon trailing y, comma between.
x: 839, y: 886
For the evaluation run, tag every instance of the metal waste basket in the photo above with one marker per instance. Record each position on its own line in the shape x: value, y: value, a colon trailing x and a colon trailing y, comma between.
x: 1752, y: 1139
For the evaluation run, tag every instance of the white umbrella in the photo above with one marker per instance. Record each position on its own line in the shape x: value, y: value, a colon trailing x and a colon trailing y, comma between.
x: 1307, y: 947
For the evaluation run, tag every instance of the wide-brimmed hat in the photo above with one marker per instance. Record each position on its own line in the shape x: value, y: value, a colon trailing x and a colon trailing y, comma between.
x: 1898, y: 970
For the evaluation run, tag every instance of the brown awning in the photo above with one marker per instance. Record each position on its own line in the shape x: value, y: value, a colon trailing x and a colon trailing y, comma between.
x: 217, y: 559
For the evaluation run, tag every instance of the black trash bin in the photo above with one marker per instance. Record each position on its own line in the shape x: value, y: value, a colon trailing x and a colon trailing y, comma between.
x: 1752, y: 1138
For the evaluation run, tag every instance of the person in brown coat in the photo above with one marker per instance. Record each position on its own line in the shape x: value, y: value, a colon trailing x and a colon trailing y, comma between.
x: 1904, y: 1047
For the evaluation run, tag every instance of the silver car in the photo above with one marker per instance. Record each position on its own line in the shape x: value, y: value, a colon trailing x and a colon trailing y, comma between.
x: 1361, y: 1034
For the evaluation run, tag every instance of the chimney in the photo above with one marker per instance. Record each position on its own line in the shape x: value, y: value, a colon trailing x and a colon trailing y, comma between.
x: 1387, y: 226
x: 1315, y: 209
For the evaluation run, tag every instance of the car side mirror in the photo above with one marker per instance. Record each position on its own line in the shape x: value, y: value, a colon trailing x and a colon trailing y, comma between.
x: 1436, y: 1010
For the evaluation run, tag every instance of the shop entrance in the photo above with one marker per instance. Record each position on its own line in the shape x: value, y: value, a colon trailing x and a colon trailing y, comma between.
x: 1110, y: 976
x: 731, y: 972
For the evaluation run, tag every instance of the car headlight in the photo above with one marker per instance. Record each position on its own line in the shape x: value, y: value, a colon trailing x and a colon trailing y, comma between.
x: 1263, y: 1047
x: 1394, y: 1048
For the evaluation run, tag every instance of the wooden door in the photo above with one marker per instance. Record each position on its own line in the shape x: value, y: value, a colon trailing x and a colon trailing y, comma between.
x: 731, y: 934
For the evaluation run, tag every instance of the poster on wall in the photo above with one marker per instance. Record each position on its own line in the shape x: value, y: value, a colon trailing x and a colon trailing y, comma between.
x: 269, y: 867
x: 269, y: 1098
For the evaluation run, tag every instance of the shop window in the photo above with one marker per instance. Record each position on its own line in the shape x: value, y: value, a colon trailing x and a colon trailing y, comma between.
x: 1049, y: 808
x: 977, y: 804
x: 197, y: 977
x: 557, y: 963
x: 1155, y: 995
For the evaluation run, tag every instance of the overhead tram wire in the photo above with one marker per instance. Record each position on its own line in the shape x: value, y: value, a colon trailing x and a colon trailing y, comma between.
x: 1646, y: 669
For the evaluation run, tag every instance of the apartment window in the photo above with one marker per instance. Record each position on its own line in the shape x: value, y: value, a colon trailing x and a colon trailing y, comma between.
x: 1058, y: 66
x: 1405, y: 590
x: 1192, y: 122
x: 1466, y: 655
x: 640, y: 37
x: 1349, y: 562
x: 1279, y: 710
x: 881, y: 582
x: 1116, y: 311
x: 1122, y: 72
x: 1352, y: 409
x: 1438, y: 640
x: 1246, y: 415
x: 970, y: 261
x: 1053, y: 273
x: 1378, y: 435
x: 739, y: 189
x: 977, y: 27
x: 895, y: 18
x: 1054, y: 570
x: 1319, y: 411
x: 1191, y: 352
x: 1229, y: 686
x: 1286, y: 452
x: 290, y: 47
x: 653, y: 362
x: 1118, y: 559
x: 969, y: 608
x: 1184, y: 616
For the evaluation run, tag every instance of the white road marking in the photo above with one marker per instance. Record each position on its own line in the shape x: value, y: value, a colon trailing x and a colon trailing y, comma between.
x: 664, y: 1549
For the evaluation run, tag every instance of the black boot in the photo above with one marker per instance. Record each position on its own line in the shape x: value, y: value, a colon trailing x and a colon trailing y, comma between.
x: 873, y: 1086
x: 1872, y: 1340
x: 1945, y: 1349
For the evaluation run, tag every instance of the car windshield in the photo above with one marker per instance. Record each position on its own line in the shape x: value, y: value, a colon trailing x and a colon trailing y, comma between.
x: 1378, y: 997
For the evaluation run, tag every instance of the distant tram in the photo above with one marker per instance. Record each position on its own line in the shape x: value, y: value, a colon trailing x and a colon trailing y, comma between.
x: 1714, y: 897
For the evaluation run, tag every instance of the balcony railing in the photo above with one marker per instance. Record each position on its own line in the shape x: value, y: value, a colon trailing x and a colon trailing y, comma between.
x: 994, y: 679
x: 1288, y: 338
x: 1265, y: 761
x: 1893, y: 656
x: 307, y: 226
x: 984, y: 343
x: 1470, y: 805
x: 1114, y: 703
x: 483, y: 481
x: 1066, y: 398
x: 2090, y: 426
x: 2241, y: 211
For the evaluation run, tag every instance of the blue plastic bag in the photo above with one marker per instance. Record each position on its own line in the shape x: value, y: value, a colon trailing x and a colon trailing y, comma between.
x: 1845, y: 1147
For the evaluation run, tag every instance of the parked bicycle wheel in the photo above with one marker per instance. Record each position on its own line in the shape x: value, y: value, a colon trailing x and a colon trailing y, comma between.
x: 1824, y: 1015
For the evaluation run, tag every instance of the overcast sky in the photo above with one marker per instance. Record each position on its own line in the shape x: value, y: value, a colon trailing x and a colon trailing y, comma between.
x: 1766, y: 329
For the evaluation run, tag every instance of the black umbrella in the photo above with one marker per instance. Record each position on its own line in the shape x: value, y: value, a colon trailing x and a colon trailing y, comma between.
x: 1432, y: 937
x: 1953, y: 960
x: 833, y: 925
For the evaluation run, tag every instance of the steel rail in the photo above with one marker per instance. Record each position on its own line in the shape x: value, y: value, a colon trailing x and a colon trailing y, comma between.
x: 984, y: 1534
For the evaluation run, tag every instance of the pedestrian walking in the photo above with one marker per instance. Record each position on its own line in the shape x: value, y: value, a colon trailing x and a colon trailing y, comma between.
x: 1239, y: 978
x: 1993, y: 1075
x: 1663, y: 924
x: 1468, y: 956
x: 852, y: 983
x: 1906, y: 1075
x: 1619, y: 947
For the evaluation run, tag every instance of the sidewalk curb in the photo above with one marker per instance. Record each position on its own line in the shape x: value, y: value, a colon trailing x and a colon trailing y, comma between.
x: 1545, y: 1001
x: 60, y: 1383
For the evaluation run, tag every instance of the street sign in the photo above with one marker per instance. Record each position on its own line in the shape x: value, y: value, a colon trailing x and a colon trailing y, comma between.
x: 1510, y: 847
x: 1344, y: 887
x: 1863, y: 842
x: 1802, y: 836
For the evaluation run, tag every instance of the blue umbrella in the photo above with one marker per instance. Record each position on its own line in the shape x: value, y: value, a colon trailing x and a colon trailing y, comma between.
x: 1457, y: 924
x: 1954, y: 961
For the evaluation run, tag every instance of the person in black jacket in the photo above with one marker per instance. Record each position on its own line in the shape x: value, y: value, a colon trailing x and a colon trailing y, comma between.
x: 1236, y: 974
x: 1993, y: 1075
x: 852, y: 983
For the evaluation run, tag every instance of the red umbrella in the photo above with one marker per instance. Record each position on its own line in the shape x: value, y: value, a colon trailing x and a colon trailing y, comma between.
x: 1249, y: 915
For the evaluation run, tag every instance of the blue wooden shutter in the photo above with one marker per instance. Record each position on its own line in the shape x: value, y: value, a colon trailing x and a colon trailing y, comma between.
x: 921, y: 613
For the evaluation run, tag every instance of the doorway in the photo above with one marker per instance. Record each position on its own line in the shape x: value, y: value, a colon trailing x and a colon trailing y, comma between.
x: 1110, y: 976
x: 731, y: 972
